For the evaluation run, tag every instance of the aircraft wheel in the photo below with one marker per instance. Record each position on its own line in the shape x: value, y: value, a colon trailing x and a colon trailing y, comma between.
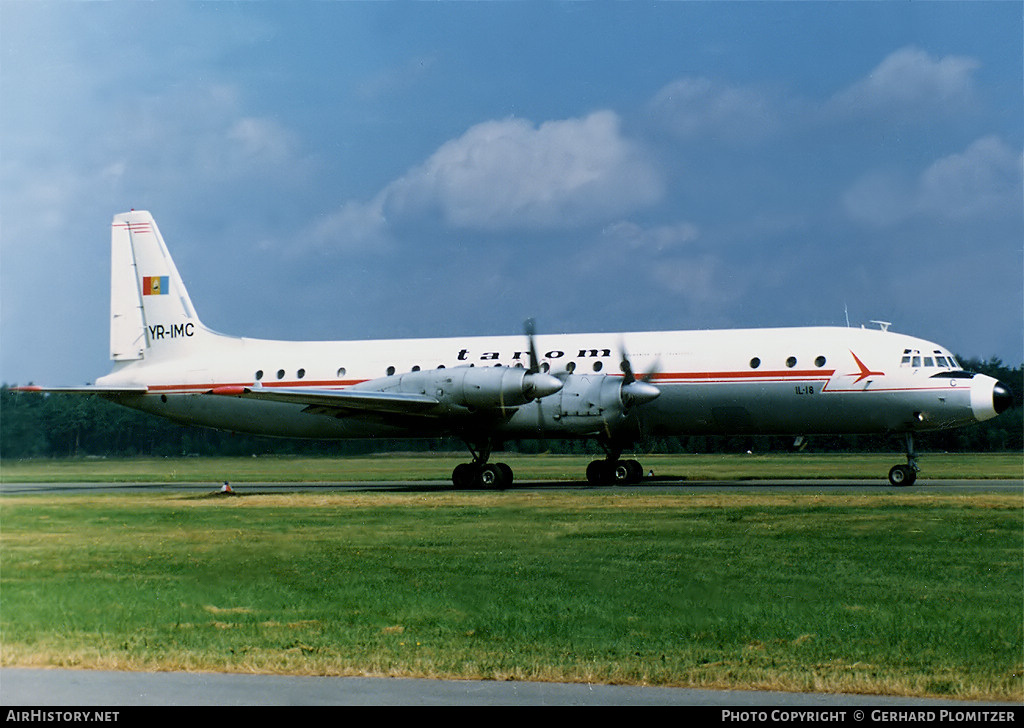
x: 621, y: 472
x: 493, y: 477
x: 614, y: 472
x: 464, y: 476
x: 506, y: 470
x: 901, y: 475
x: 597, y: 472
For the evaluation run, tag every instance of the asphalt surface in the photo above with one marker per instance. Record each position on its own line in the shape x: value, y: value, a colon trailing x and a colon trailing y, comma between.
x: 35, y: 687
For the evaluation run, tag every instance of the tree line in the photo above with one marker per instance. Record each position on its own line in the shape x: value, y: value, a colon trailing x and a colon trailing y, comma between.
x: 64, y: 425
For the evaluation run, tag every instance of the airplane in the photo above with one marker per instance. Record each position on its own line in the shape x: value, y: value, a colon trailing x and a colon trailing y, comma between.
x: 798, y: 381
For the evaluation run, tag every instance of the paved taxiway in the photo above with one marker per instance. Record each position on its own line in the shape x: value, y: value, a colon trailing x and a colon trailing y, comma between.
x: 35, y: 687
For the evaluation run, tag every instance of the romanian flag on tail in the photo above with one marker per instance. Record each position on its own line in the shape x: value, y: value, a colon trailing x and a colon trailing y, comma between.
x: 155, y: 286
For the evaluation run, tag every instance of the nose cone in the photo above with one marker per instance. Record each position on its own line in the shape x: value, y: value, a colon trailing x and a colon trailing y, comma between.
x: 538, y: 384
x: 988, y: 397
x: 1002, y: 398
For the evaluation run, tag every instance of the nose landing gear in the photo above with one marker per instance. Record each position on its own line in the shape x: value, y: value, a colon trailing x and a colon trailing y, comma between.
x: 901, y: 475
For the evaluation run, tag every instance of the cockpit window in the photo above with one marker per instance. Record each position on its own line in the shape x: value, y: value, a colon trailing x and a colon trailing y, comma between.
x: 913, y: 358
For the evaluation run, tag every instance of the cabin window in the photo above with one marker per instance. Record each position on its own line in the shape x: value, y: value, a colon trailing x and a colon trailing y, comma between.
x: 259, y: 374
x: 819, y: 361
x: 280, y: 373
x: 755, y: 363
x: 598, y: 366
x: 391, y: 371
x: 416, y: 368
x: 791, y: 362
x: 570, y: 367
x: 341, y: 372
x: 301, y: 373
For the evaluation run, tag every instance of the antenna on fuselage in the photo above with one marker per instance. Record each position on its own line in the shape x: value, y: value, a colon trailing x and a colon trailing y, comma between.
x: 846, y: 310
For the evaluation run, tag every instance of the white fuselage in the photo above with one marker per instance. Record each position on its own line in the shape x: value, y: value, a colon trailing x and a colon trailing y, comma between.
x: 774, y: 381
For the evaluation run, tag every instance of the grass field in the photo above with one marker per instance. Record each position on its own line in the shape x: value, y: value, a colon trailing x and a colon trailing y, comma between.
x: 900, y: 593
x: 392, y: 466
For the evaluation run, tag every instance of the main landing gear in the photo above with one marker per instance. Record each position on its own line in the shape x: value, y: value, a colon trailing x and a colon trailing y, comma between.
x: 480, y: 473
x: 612, y: 470
x: 906, y: 474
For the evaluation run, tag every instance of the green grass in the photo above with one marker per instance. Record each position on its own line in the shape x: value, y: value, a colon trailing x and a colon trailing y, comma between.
x: 904, y: 594
x: 527, y: 467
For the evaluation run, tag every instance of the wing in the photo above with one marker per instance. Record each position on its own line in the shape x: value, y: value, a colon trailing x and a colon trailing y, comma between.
x: 439, y: 393
x: 87, y: 389
x: 399, y: 403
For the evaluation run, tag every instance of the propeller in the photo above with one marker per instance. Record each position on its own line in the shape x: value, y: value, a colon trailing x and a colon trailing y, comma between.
x: 530, y: 328
x: 538, y: 384
x: 636, y: 391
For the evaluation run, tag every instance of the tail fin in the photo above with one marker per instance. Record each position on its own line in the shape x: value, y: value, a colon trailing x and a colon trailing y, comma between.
x: 151, y: 314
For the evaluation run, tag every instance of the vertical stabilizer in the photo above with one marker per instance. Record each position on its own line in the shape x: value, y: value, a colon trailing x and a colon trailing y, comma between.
x: 150, y: 311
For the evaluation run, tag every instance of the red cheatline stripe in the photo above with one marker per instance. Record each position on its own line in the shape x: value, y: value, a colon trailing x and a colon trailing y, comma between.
x: 766, y: 375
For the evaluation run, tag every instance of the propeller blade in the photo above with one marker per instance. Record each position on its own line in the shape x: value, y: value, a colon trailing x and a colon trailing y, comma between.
x: 530, y: 326
x: 636, y: 391
x: 649, y: 374
x: 626, y: 366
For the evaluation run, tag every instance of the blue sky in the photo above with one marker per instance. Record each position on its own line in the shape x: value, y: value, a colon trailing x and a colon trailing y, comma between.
x: 340, y: 170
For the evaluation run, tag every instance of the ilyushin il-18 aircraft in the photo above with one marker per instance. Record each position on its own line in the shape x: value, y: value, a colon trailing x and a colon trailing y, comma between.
x: 615, y: 388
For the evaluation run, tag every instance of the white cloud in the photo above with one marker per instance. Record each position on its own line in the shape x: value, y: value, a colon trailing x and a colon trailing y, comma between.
x: 698, y: 108
x: 983, y: 180
x: 909, y: 81
x: 356, y: 227
x: 504, y: 175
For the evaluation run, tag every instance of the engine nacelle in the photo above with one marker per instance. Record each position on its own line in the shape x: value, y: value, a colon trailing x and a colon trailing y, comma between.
x: 596, y: 403
x: 475, y: 388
